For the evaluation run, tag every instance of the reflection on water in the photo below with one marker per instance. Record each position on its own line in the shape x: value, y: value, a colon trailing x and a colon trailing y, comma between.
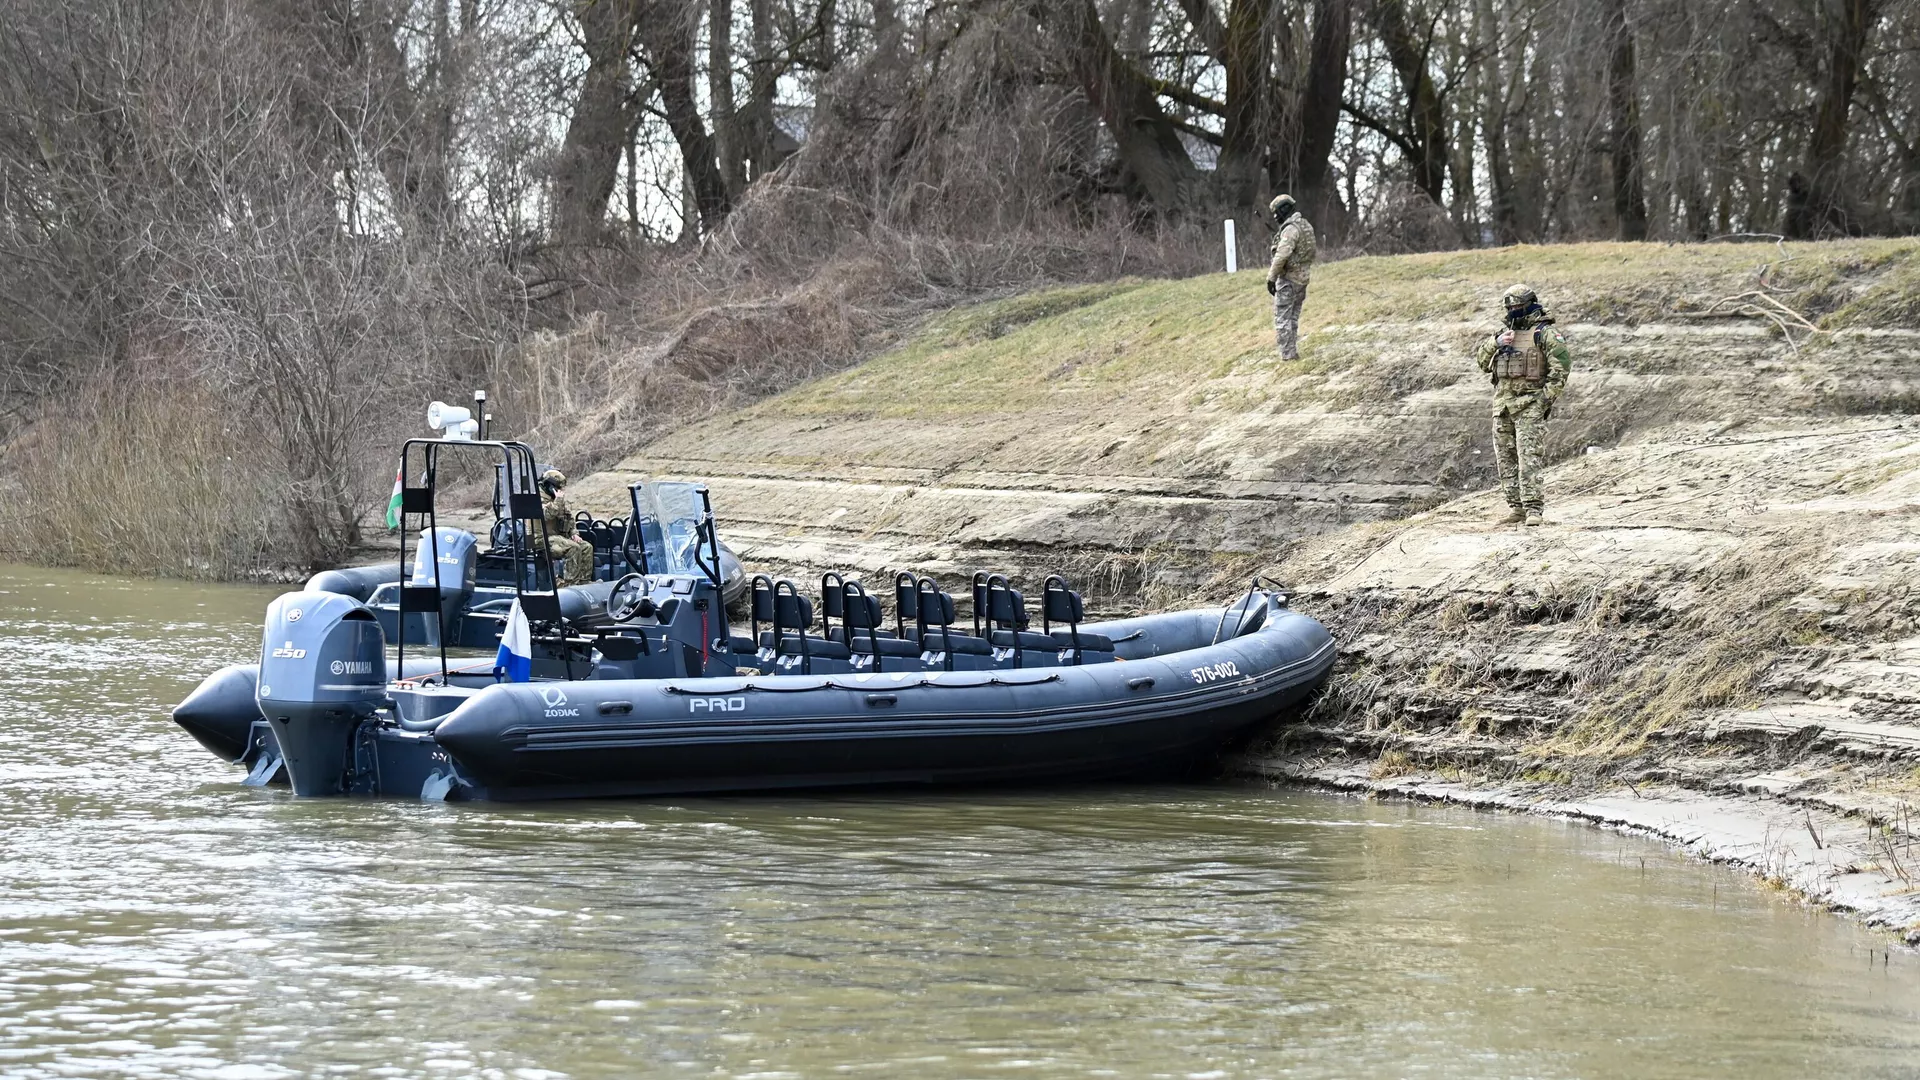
x: 157, y: 919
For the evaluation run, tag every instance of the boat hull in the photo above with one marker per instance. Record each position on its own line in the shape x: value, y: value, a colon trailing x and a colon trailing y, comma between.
x: 1144, y: 717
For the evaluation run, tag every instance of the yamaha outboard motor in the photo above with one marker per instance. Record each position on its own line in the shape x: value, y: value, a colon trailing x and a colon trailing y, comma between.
x: 323, y: 669
x: 456, y: 552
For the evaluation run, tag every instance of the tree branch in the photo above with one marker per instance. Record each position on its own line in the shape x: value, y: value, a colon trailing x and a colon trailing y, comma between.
x: 1187, y: 96
x: 1368, y: 120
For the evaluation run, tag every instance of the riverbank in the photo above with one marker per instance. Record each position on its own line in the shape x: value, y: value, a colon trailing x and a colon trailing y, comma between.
x: 1713, y: 640
x: 1723, y: 604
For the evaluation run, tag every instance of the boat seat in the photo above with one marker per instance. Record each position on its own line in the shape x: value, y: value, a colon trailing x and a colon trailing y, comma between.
x: 888, y: 646
x: 936, y: 609
x: 817, y: 647
x: 740, y: 644
x: 1060, y: 604
x: 958, y: 644
x: 906, y: 604
x: 1063, y: 639
x: 839, y: 633
x: 1006, y: 639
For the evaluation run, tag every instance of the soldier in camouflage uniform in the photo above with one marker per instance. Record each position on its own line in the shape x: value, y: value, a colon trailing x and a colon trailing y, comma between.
x: 1529, y: 364
x: 1288, y: 274
x: 561, y: 541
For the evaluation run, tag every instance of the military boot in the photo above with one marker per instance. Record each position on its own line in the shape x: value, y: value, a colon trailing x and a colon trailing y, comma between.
x: 1534, y: 517
x: 1514, y: 516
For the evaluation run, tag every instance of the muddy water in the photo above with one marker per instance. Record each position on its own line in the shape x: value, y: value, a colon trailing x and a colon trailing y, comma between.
x: 157, y: 919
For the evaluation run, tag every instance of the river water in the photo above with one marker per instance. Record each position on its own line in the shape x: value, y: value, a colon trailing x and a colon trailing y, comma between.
x: 158, y: 919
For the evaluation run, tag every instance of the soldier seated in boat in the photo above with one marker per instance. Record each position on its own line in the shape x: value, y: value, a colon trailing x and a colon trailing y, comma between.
x: 562, y: 543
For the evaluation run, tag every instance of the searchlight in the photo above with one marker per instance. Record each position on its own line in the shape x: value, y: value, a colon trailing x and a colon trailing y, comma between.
x: 452, y: 421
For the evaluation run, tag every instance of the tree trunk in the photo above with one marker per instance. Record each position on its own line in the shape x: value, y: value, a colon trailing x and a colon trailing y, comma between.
x: 409, y: 138
x: 1465, y: 209
x: 1623, y: 109
x: 1328, y: 50
x: 828, y: 22
x: 1508, y: 74
x: 726, y: 126
x: 1426, y: 121
x: 1149, y: 145
x: 1248, y: 57
x: 1207, y: 27
x: 590, y: 152
x: 1508, y: 65
x: 1815, y: 203
x: 668, y: 34
x: 764, y: 76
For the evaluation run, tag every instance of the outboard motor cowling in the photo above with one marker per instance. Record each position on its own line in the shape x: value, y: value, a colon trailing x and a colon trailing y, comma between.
x: 454, y: 549
x: 457, y: 553
x: 323, y: 670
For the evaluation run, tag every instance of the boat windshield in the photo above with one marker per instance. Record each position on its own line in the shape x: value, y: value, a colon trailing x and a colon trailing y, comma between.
x: 670, y: 514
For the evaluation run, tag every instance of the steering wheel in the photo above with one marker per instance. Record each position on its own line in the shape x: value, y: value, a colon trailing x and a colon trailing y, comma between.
x: 627, y: 597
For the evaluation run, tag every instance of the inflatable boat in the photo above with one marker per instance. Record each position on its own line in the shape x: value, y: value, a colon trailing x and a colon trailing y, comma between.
x: 643, y: 686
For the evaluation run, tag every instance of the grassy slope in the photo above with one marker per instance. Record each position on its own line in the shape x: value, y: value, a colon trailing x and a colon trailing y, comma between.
x: 1154, y: 379
x: 1095, y: 346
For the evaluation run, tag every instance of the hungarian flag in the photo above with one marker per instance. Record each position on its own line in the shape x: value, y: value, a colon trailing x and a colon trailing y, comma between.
x: 393, y: 504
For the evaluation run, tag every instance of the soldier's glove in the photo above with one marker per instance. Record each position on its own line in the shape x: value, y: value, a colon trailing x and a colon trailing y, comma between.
x: 1272, y: 289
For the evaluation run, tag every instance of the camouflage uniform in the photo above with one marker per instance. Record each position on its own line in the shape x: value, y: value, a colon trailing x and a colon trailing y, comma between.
x: 1528, y: 363
x: 563, y: 544
x: 1287, y: 277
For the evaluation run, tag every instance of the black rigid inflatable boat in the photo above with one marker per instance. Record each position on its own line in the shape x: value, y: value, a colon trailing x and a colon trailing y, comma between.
x: 642, y: 686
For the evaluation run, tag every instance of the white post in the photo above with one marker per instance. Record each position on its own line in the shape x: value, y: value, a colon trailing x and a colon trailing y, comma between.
x: 1233, y: 250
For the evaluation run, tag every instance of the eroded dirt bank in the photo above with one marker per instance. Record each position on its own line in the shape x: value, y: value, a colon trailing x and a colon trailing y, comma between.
x: 1714, y: 609
x: 1718, y: 627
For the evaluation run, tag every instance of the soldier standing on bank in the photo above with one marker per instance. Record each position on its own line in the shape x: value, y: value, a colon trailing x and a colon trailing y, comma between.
x: 1529, y: 364
x: 1288, y: 273
x: 561, y: 541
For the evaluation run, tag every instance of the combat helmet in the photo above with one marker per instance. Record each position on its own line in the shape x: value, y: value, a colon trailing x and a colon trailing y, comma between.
x: 1282, y: 206
x: 553, y: 479
x: 1522, y: 305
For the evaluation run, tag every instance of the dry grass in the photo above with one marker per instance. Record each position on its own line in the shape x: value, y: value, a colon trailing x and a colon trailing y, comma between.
x: 148, y: 480
x: 1711, y: 656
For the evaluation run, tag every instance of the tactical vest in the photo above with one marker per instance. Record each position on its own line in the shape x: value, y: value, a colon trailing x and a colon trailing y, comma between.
x: 1523, y: 361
